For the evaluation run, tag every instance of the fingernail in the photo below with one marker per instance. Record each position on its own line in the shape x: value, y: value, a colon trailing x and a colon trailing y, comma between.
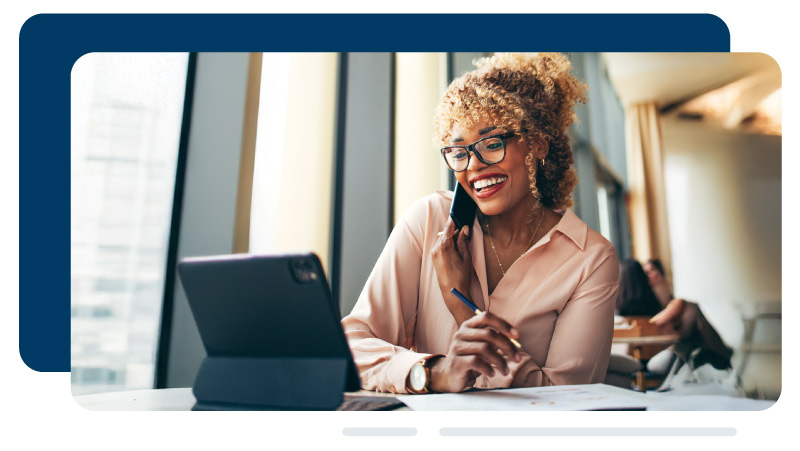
x: 514, y: 332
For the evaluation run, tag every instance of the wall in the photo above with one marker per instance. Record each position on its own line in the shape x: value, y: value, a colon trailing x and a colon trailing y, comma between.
x: 724, y: 207
x: 366, y: 207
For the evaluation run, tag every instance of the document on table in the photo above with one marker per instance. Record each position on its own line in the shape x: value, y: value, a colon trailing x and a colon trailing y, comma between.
x: 563, y: 397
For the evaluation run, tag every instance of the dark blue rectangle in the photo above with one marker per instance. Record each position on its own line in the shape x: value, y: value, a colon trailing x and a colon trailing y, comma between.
x: 51, y: 43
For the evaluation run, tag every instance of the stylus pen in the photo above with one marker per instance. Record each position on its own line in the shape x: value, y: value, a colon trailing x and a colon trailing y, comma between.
x: 477, y: 311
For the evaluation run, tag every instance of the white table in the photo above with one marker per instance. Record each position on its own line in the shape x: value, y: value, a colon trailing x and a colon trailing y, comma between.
x: 157, y: 399
x: 160, y: 399
x: 181, y: 399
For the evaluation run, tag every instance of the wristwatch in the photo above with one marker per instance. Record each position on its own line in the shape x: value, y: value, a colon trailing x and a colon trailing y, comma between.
x: 419, y: 378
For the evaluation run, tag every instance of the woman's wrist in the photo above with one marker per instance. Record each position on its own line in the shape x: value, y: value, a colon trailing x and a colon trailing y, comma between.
x: 438, y: 376
x: 457, y: 308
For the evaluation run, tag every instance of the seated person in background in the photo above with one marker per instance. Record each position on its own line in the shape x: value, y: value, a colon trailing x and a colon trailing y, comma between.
x: 658, y: 281
x: 636, y: 297
x: 538, y: 273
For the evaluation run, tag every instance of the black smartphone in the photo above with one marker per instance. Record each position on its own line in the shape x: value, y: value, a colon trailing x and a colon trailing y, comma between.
x: 463, y: 209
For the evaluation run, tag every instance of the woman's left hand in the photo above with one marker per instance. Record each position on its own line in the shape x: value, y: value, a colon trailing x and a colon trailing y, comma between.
x: 453, y: 263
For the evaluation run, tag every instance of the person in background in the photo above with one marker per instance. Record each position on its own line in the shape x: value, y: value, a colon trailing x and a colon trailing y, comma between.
x: 637, y: 297
x: 658, y: 281
x: 537, y: 272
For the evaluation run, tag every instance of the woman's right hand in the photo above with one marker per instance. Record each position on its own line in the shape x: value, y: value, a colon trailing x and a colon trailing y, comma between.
x: 452, y: 262
x: 480, y: 346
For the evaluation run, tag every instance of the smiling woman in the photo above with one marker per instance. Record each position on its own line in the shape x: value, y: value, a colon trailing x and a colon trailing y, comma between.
x: 538, y: 273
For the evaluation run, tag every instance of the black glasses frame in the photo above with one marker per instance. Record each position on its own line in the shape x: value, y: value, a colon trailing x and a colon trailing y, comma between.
x: 470, y: 148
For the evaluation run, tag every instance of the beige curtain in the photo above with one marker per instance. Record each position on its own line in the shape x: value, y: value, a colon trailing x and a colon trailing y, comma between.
x: 647, y: 199
x: 418, y: 167
x: 241, y: 234
x: 291, y: 194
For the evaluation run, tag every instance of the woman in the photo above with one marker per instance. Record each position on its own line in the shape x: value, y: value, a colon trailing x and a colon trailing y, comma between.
x: 538, y: 272
x: 638, y: 298
x: 635, y: 297
x: 658, y: 281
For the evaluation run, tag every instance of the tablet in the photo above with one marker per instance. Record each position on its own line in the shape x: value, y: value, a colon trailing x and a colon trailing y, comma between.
x: 268, y: 324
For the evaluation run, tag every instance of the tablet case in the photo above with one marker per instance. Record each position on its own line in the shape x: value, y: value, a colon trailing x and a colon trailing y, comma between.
x: 271, y: 331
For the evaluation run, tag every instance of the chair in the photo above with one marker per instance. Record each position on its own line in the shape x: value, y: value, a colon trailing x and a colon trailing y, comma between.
x: 753, y: 315
x: 621, y: 368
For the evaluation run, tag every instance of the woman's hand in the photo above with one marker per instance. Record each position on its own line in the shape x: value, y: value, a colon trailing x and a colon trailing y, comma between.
x: 453, y: 263
x: 670, y: 315
x: 678, y: 316
x: 480, y: 346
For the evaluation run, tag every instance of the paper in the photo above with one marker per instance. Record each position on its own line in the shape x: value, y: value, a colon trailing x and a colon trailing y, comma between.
x: 578, y: 397
x: 564, y: 397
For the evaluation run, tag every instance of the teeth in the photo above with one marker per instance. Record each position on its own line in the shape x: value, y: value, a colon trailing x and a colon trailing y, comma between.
x: 483, y: 183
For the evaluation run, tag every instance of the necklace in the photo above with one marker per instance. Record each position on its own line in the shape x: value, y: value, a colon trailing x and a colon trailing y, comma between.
x: 491, y: 241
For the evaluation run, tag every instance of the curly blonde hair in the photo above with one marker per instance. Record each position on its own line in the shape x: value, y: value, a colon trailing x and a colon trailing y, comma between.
x: 532, y: 95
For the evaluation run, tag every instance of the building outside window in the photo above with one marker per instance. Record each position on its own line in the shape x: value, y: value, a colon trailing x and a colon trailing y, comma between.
x: 126, y: 113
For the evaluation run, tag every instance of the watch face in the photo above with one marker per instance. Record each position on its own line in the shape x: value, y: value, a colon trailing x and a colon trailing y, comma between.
x: 418, y: 378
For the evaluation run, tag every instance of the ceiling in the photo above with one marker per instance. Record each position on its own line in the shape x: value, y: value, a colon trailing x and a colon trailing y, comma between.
x: 731, y: 90
x: 666, y: 78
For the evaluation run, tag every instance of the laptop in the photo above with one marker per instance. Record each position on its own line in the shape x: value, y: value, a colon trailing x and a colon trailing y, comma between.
x: 272, y: 335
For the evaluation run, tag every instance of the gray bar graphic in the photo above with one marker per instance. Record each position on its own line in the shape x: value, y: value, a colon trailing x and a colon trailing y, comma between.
x: 380, y: 432
x: 588, y: 432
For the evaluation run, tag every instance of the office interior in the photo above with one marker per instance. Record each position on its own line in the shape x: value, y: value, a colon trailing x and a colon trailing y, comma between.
x: 190, y: 154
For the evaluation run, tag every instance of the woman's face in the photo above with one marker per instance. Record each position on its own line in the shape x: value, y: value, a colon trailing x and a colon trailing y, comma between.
x: 654, y: 276
x: 508, y: 180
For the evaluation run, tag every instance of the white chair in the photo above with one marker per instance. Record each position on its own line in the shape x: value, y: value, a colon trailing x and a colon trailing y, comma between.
x: 764, y: 314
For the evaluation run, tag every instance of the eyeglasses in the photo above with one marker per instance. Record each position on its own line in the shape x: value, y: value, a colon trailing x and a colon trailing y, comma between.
x: 489, y: 150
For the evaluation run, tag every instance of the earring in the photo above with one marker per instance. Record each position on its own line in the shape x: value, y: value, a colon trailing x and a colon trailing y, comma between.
x: 542, y: 162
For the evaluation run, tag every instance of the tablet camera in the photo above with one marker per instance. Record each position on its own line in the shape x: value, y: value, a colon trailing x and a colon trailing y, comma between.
x: 303, y: 271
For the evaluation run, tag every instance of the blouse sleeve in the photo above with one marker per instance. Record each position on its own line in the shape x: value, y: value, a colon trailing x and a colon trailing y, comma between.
x: 380, y: 329
x: 581, y: 344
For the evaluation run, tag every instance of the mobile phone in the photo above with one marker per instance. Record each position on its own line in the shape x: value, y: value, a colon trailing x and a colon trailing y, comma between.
x: 463, y: 209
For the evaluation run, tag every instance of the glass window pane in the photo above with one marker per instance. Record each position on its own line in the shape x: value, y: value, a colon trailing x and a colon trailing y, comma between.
x: 125, y: 125
x: 602, y: 210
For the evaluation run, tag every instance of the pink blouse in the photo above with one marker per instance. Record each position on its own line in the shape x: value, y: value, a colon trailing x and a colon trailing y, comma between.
x: 560, y: 295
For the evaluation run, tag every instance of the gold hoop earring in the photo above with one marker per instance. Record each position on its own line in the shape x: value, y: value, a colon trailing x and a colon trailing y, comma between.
x: 542, y: 162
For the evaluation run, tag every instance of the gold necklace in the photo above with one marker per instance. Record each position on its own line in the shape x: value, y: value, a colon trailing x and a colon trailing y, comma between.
x: 491, y: 241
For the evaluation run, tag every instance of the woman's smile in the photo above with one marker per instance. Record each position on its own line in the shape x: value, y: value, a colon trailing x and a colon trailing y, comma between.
x: 487, y: 185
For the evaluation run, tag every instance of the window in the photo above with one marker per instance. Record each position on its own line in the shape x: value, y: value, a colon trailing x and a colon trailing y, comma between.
x: 126, y: 122
x: 612, y: 216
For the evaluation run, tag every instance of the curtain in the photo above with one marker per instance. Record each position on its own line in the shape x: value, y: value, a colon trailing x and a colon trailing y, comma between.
x: 647, y: 196
x: 294, y: 154
x: 244, y: 197
x: 418, y: 167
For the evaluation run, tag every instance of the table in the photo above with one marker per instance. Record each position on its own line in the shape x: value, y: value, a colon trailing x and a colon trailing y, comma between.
x: 637, y: 343
x: 181, y: 399
x: 175, y: 399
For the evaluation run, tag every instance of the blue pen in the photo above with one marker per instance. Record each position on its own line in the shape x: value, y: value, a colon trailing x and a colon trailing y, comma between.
x: 477, y: 311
